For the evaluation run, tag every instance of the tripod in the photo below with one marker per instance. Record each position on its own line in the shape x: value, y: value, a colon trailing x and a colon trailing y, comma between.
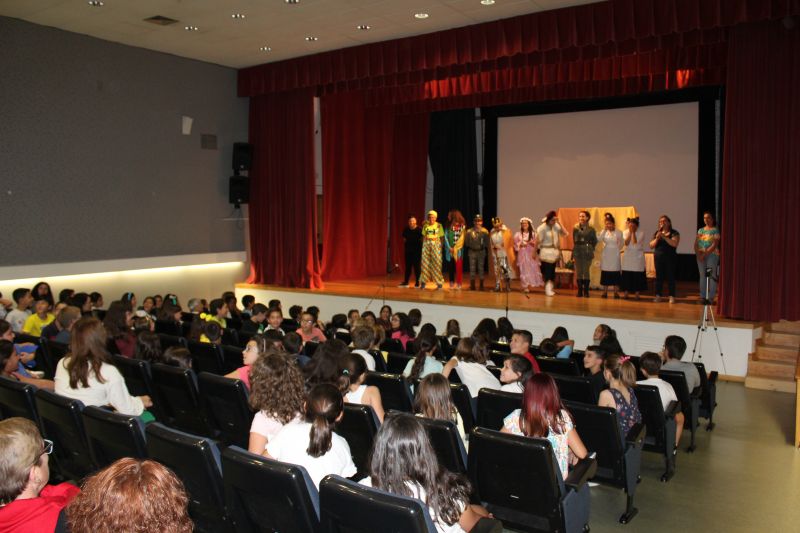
x: 707, y: 318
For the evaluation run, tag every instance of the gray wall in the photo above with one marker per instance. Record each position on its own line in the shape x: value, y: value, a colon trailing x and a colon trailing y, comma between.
x: 92, y: 161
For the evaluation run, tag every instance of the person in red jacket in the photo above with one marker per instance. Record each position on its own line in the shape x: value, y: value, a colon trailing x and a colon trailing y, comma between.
x: 520, y: 345
x: 27, y: 502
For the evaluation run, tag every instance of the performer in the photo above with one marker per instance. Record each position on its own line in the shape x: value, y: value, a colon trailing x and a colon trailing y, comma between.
x: 634, y: 278
x: 530, y: 274
x: 476, y: 241
x: 665, y: 244
x: 610, y: 266
x: 502, y: 253
x: 549, y: 234
x: 412, y: 242
x: 584, y: 239
x: 432, y: 237
x: 706, y: 247
x: 453, y: 244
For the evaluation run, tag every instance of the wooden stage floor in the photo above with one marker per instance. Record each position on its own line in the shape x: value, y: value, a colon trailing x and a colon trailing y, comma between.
x: 686, y: 309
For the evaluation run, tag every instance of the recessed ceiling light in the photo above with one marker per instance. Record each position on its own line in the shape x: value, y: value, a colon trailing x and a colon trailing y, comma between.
x: 421, y: 15
x: 238, y: 16
x: 292, y: 1
x: 265, y: 49
x: 363, y: 27
x: 191, y: 28
x: 311, y: 39
x: 487, y: 2
x: 96, y: 3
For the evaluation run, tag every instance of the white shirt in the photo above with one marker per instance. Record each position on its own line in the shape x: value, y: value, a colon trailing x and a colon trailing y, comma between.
x: 17, y: 319
x: 367, y: 359
x: 355, y: 396
x: 612, y: 241
x: 476, y: 377
x: 665, y: 390
x: 112, y: 391
x: 517, y: 387
x: 633, y: 258
x: 419, y: 493
x: 291, y: 443
x: 549, y: 236
x: 267, y: 426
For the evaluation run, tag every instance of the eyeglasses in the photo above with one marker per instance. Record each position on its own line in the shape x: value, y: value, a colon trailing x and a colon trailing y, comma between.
x: 47, y: 450
x: 308, y: 321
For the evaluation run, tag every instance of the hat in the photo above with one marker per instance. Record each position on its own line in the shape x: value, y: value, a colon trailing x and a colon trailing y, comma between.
x: 526, y: 219
x: 477, y: 217
x: 496, y: 221
x: 434, y: 213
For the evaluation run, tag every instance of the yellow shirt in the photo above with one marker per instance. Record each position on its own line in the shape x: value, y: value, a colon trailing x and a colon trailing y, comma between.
x: 34, y: 324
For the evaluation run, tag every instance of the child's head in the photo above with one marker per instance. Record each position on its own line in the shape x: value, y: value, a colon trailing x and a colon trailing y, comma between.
x: 82, y: 301
x: 6, y: 333
x: 258, y: 313
x: 23, y: 298
x: 385, y: 313
x: 294, y: 312
x: 64, y: 295
x: 428, y: 329
x: 559, y: 335
x: 127, y: 297
x: 650, y: 364
x: 248, y: 301
x: 178, y: 356
x: 601, y: 332
x: 195, y: 305
x: 453, y: 328
x: 415, y: 316
x: 339, y: 321
x: 97, y: 300
x: 593, y: 358
x: 9, y: 361
x: 619, y: 369
x: 275, y: 338
x: 274, y: 316
x: 213, y: 332
x: 314, y: 310
x: 674, y: 347
x: 433, y: 398
x: 143, y: 322
x: 363, y: 338
x: 541, y: 407
x: 355, y: 369
x: 277, y: 303
x: 256, y: 346
x: 149, y: 304
x: 515, y: 368
x: 218, y: 308
x: 369, y: 318
x: 276, y: 387
x: 68, y: 316
x: 307, y: 322
x: 424, y: 345
x: 292, y: 343
x: 548, y: 348
x: 504, y: 328
x: 324, y: 407
x: 469, y: 350
x: 42, y: 307
x: 353, y: 315
x: 148, y: 347
x: 521, y: 341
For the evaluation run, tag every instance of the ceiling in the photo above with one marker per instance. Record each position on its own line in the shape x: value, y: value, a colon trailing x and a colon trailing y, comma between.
x: 282, y: 27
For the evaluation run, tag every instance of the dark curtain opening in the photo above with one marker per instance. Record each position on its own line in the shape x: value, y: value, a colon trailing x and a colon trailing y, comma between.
x: 452, y: 150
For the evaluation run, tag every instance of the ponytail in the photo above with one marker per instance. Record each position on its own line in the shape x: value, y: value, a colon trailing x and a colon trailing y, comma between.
x: 424, y: 346
x: 323, y: 407
x: 621, y: 369
x: 320, y: 437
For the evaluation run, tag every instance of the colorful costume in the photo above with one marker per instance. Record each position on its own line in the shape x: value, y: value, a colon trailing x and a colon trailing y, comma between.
x: 454, y: 238
x: 476, y: 241
x: 432, y: 235
x: 502, y: 255
x: 549, y: 237
x: 584, y: 241
x: 530, y: 274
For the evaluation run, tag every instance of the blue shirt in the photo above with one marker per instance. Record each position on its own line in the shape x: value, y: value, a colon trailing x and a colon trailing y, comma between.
x: 565, y: 352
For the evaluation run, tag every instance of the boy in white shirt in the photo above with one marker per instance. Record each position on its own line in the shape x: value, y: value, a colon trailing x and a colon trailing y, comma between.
x: 18, y: 316
x: 650, y: 365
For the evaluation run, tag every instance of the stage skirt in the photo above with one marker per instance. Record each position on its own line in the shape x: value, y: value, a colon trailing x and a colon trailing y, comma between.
x: 633, y: 281
x: 610, y: 277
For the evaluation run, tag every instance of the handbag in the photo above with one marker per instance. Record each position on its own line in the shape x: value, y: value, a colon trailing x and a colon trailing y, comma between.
x: 549, y: 255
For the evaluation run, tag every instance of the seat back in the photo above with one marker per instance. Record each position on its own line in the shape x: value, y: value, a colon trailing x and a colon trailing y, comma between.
x: 396, y: 362
x: 358, y: 426
x: 196, y: 461
x: 446, y: 347
x: 447, y: 444
x: 230, y: 335
x: 395, y: 393
x: 677, y: 379
x: 51, y: 353
x: 459, y: 393
x: 599, y: 431
x: 344, y: 337
x: 206, y: 357
x: 62, y: 422
x: 708, y: 392
x: 139, y: 382
x: 168, y: 327
x: 653, y: 417
x: 500, y: 347
x: 310, y: 347
x: 112, y: 436
x: 494, y: 406
x: 289, y: 325
x: 231, y: 358
x: 168, y: 341
x: 267, y: 495
x: 177, y: 388
x: 576, y: 388
x: 18, y: 399
x: 392, y: 345
x: 225, y: 403
x: 380, y: 362
x: 498, y: 357
x: 347, y: 507
x: 564, y: 367
x: 244, y: 338
x: 529, y: 501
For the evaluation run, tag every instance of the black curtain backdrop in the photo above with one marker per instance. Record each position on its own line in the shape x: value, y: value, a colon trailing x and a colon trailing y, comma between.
x: 452, y: 150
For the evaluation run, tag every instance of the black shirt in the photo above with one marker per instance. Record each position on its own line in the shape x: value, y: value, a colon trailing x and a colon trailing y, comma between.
x: 248, y: 326
x: 598, y: 382
x: 413, y: 240
x: 662, y: 246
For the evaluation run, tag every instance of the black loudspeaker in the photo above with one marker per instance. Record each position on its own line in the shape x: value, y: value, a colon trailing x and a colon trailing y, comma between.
x: 239, y: 190
x: 242, y: 156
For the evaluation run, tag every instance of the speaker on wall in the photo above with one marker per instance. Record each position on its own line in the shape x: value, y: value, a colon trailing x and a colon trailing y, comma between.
x: 242, y: 156
x: 238, y: 190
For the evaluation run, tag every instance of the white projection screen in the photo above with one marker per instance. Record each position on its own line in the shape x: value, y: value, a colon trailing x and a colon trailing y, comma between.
x: 640, y: 156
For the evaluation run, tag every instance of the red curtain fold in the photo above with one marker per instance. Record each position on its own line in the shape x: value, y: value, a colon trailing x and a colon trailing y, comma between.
x: 761, y: 175
x: 356, y: 153
x: 283, y: 220
x: 409, y: 174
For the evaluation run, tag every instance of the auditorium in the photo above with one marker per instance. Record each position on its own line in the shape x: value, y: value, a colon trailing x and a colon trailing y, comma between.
x: 399, y: 265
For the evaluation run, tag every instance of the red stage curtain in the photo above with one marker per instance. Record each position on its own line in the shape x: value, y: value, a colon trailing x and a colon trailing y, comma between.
x: 409, y: 173
x: 760, y: 272
x: 283, y: 239
x: 356, y: 154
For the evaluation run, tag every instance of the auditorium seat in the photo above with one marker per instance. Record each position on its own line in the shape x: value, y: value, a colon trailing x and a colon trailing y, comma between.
x: 576, y: 388
x: 140, y: 382
x: 358, y: 426
x: 230, y: 335
x: 289, y: 325
x: 539, y: 500
x: 494, y: 406
x: 18, y: 399
x: 244, y: 338
x: 168, y: 327
x: 446, y: 347
x: 380, y: 362
x: 51, y: 353
x: 206, y: 357
x: 396, y: 362
x: 196, y: 461
x: 500, y: 347
x: 564, y: 367
x: 618, y: 461
x: 498, y: 357
x: 266, y: 495
x: 660, y: 425
x: 62, y: 422
x: 225, y: 404
x: 690, y: 401
x: 392, y: 345
x: 344, y: 337
x: 459, y: 393
x: 23, y: 338
x: 309, y: 348
x: 447, y: 444
x: 395, y: 393
x: 177, y: 388
x: 708, y: 394
x: 112, y: 436
x: 168, y: 341
x: 232, y: 358
x: 495, y: 371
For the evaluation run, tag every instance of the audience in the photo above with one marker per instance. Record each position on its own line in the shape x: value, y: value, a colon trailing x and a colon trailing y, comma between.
x: 469, y: 363
x: 43, y: 290
x: 650, y: 365
x: 248, y: 301
x: 308, y: 329
x: 42, y: 317
x: 148, y: 347
x: 66, y: 320
x: 363, y: 338
x: 621, y: 377
x: 402, y: 329
x: 424, y: 362
x: 434, y: 400
x: 118, y: 322
x: 520, y: 344
x: 254, y: 323
x: 275, y: 320
x: 355, y: 369
x: 17, y: 316
x: 178, y: 356
x: 564, y: 343
x: 293, y: 345
x: 674, y: 348
x: 11, y: 367
x: 515, y: 372
x: 211, y: 332
x: 277, y: 395
x: 453, y: 330
x: 257, y: 346
x: 593, y: 359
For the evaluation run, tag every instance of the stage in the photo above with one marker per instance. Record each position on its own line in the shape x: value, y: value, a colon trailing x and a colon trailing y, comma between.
x: 640, y: 325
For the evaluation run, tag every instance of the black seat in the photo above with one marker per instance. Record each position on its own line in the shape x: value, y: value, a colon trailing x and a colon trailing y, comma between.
x: 395, y: 393
x: 495, y: 371
x: 358, y: 426
x: 348, y: 507
x: 392, y: 345
x: 289, y: 325
x: 112, y: 436
x: 396, y: 362
x: 539, y: 500
x: 62, y: 422
x: 169, y: 341
x: 564, y: 367
x: 618, y: 461
x: 231, y: 358
x: 309, y: 348
x: 708, y: 394
x: 139, y: 382
x: 380, y: 362
x: 230, y: 335
x: 459, y: 393
x: 196, y: 461
x: 498, y: 357
x: 169, y: 327
x: 18, y: 399
x: 500, y: 347
x: 266, y: 495
x: 177, y: 389
x: 576, y: 388
x: 206, y: 357
x: 225, y: 402
x: 447, y: 444
x: 23, y: 338
x: 690, y: 401
x: 51, y: 353
x: 494, y: 406
x: 244, y: 338
x: 344, y: 337
x: 660, y: 425
x: 446, y: 347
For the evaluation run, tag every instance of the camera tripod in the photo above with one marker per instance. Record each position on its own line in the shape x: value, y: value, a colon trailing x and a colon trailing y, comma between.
x: 706, y: 318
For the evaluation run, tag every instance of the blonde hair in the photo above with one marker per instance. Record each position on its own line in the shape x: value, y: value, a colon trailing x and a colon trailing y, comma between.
x: 621, y: 369
x: 21, y: 448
